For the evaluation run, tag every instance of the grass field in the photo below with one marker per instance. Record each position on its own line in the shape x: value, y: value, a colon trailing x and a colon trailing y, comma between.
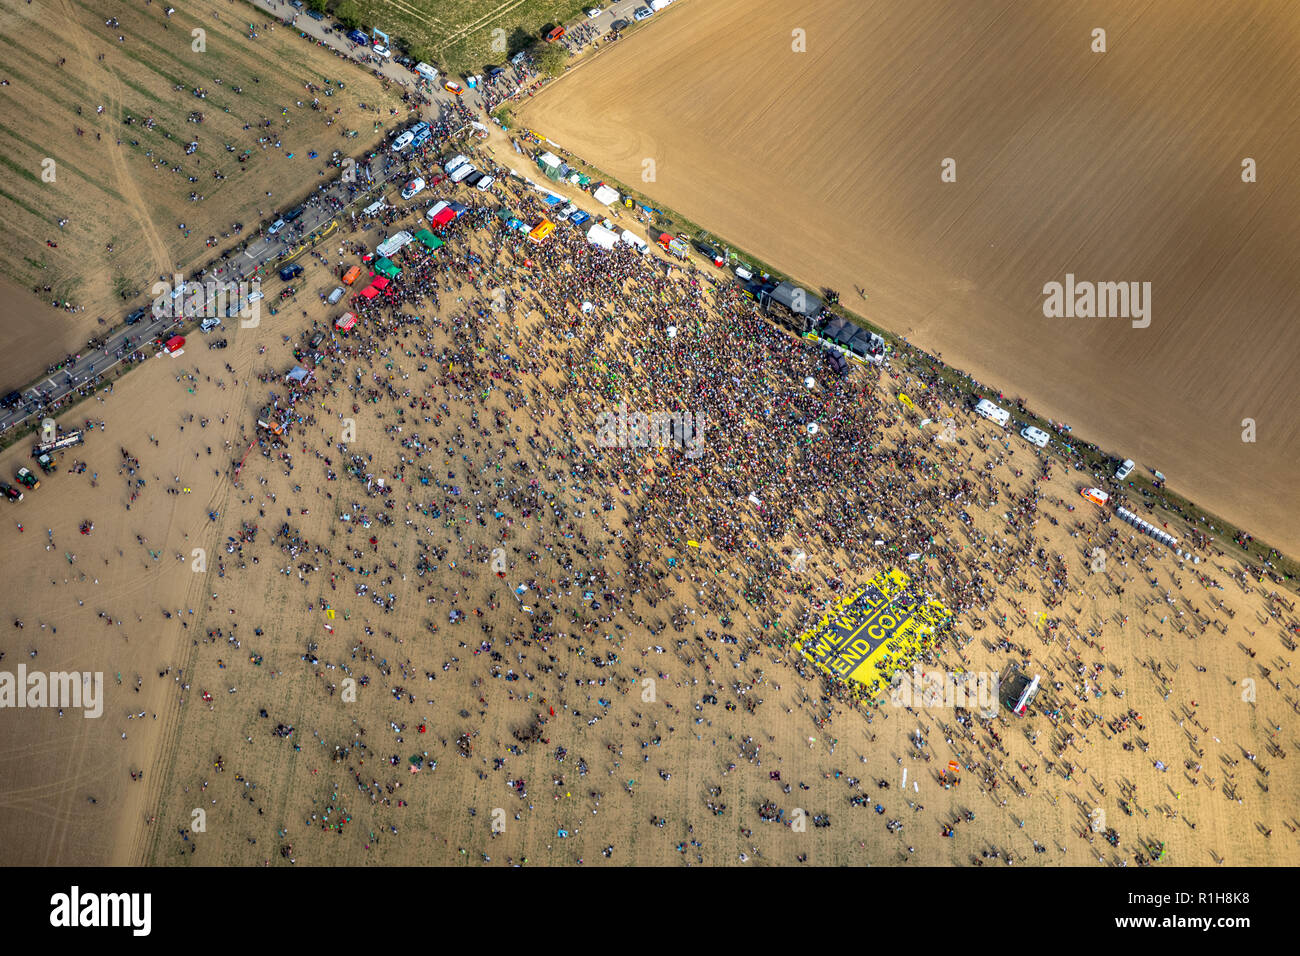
x: 121, y: 206
x: 462, y: 36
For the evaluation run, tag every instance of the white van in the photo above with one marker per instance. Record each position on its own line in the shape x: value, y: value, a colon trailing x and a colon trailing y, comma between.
x: 463, y: 172
x: 455, y: 161
x: 986, y: 409
x: 374, y: 208
x: 635, y: 241
x: 393, y: 243
x: 209, y: 324
x: 1035, y: 436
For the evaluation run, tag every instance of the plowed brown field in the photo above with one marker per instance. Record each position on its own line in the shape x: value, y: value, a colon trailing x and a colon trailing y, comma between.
x: 1119, y: 166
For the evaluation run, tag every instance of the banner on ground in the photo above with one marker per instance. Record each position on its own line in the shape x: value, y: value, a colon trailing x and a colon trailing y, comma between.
x: 873, y: 631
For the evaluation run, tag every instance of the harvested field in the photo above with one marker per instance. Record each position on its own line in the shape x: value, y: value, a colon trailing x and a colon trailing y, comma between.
x: 113, y: 211
x: 1121, y: 166
x: 463, y: 36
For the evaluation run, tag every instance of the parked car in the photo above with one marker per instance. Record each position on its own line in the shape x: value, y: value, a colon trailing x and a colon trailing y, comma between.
x: 356, y: 36
x: 494, y: 71
x: 335, y: 295
x: 293, y: 214
x: 413, y: 188
x: 450, y: 166
x: 291, y: 271
x: 136, y: 316
x: 461, y: 172
x: 593, y: 12
x: 451, y: 86
x: 380, y: 50
x: 1124, y: 470
x: 403, y: 141
x: 564, y: 212
x: 255, y: 295
x: 207, y: 325
x: 10, y: 400
x: 1035, y: 436
x: 315, y: 14
x: 275, y: 227
x: 484, y: 184
x: 710, y: 252
x: 555, y: 34
x: 619, y: 25
x: 578, y: 217
x: 474, y: 178
x: 641, y: 13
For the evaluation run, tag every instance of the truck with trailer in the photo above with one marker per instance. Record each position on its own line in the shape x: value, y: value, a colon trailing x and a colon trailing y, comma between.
x: 66, y: 440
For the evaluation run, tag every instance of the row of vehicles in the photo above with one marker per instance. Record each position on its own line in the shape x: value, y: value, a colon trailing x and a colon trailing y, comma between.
x: 415, y: 137
x: 1001, y: 417
x: 43, y: 452
x: 460, y: 170
x: 1035, y: 435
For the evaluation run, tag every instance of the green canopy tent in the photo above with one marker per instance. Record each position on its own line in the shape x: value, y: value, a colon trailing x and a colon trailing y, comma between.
x: 428, y: 240
x: 388, y: 268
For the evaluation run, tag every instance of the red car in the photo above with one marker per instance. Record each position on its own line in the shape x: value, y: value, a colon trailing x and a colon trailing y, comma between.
x: 555, y: 34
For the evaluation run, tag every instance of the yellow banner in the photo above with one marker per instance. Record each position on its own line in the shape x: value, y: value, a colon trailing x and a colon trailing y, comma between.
x: 873, y: 631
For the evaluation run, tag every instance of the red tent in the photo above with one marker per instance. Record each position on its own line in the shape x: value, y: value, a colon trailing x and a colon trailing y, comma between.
x: 369, y: 292
x: 444, y: 216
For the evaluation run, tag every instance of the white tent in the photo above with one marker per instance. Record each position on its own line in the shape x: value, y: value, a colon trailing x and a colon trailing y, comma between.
x: 600, y: 236
x: 606, y: 195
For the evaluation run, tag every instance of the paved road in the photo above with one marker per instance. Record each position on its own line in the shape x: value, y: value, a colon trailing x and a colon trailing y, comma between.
x: 82, y: 374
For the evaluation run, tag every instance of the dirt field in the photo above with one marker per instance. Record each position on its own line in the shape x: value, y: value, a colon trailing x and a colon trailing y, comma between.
x: 121, y: 205
x: 1124, y: 166
x: 252, y: 632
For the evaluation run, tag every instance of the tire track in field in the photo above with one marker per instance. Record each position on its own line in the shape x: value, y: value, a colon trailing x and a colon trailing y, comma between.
x: 476, y: 24
x: 136, y: 205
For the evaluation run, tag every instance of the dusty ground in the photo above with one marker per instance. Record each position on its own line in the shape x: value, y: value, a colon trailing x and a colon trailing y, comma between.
x: 134, y: 196
x: 1122, y: 166
x: 270, y: 786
